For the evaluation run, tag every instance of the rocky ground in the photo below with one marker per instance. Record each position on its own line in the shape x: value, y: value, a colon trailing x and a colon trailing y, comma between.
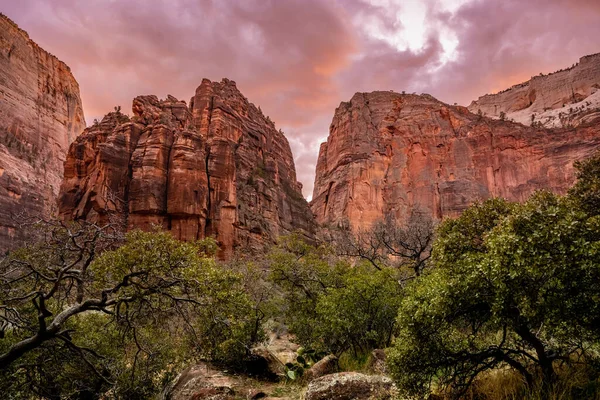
x: 322, y: 381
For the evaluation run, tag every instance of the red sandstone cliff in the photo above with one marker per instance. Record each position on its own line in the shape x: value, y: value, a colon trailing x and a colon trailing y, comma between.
x: 569, y: 97
x: 40, y: 115
x: 392, y: 153
x: 218, y: 167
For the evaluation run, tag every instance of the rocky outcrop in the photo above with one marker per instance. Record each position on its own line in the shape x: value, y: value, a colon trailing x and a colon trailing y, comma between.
x: 389, y: 153
x: 203, y: 381
x: 327, y: 365
x: 40, y: 115
x: 351, y: 386
x: 565, y: 98
x: 217, y: 167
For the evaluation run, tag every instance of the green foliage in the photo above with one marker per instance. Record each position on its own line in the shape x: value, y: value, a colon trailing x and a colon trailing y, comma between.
x: 586, y: 191
x: 512, y: 285
x: 301, y: 272
x: 305, y: 359
x: 212, y: 303
x: 259, y: 291
x: 330, y: 305
x: 126, y: 321
x: 359, y: 315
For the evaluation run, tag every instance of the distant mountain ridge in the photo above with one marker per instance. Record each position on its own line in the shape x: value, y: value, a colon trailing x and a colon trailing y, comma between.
x: 568, y: 97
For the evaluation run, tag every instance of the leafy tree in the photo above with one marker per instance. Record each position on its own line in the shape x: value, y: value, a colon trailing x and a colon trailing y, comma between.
x: 586, y: 191
x: 301, y: 273
x: 359, y: 315
x: 331, y: 305
x: 512, y: 286
x: 75, y: 325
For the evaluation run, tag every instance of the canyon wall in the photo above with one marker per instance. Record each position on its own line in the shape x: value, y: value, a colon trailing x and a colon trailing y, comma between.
x: 389, y: 153
x: 565, y: 98
x: 40, y: 115
x: 217, y: 167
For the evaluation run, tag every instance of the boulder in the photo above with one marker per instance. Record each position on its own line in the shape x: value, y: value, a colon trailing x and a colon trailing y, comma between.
x: 350, y: 386
x: 325, y: 366
x: 266, y: 364
x: 201, y: 382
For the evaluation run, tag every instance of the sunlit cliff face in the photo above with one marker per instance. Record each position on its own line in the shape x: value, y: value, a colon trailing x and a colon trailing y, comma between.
x: 298, y: 59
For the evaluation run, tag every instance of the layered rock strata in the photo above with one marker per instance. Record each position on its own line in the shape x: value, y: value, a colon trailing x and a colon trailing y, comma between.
x: 565, y: 98
x: 389, y: 153
x: 40, y: 115
x: 217, y: 167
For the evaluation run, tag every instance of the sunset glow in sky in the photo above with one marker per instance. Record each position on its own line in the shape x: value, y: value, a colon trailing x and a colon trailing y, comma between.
x: 298, y: 59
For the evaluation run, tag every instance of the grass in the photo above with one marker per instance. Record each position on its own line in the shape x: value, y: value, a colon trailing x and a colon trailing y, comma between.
x: 288, y: 390
x: 575, y: 383
x: 349, y: 361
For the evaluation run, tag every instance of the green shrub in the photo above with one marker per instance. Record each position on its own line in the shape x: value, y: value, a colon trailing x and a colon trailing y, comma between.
x: 512, y: 286
x: 122, y: 323
x: 331, y: 305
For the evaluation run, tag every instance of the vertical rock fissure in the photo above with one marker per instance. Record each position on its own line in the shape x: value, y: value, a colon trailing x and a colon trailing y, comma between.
x: 208, y: 223
x: 167, y: 184
x: 129, y: 177
x: 327, y: 199
x: 207, y: 226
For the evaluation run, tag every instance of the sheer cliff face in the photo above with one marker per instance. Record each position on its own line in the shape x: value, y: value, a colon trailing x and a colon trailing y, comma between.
x: 565, y: 98
x: 40, y: 115
x: 392, y: 153
x: 218, y: 167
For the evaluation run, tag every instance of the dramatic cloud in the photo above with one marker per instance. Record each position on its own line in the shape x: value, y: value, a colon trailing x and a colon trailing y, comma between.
x: 298, y: 59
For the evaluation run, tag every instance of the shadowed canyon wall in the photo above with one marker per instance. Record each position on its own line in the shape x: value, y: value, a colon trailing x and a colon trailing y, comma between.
x: 216, y: 167
x: 40, y: 115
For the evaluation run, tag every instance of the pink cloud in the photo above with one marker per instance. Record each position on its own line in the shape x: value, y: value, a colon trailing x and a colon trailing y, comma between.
x: 298, y: 59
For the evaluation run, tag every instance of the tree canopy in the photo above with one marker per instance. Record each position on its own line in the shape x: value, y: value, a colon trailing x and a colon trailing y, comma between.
x: 75, y: 324
x: 331, y: 305
x: 511, y: 285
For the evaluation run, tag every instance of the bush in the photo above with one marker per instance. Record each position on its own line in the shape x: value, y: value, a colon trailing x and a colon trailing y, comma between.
x: 331, y: 305
x: 122, y: 323
x: 512, y: 286
x: 586, y: 191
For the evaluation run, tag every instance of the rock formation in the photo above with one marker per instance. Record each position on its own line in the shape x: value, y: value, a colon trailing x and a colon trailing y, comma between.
x: 389, y: 153
x: 218, y: 167
x: 351, y: 386
x: 40, y: 115
x: 565, y: 98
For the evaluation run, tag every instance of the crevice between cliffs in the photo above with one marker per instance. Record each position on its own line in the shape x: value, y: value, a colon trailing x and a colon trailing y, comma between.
x: 208, y: 222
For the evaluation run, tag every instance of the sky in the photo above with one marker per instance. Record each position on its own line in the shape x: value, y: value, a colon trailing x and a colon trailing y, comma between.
x: 298, y: 59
